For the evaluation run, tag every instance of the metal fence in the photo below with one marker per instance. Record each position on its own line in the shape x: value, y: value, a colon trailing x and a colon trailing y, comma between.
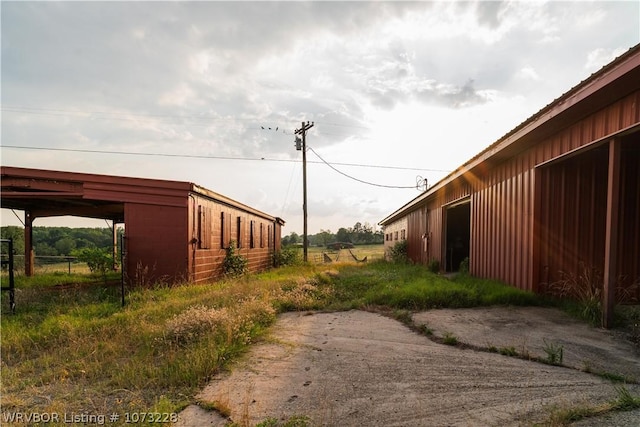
x: 52, y: 264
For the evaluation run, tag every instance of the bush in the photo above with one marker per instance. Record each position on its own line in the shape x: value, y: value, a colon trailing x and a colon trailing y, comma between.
x: 98, y: 260
x: 399, y: 252
x: 464, y: 266
x: 287, y: 256
x: 234, y: 265
x: 434, y: 266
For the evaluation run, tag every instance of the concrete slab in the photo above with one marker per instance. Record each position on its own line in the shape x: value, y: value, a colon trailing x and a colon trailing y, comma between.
x: 357, y: 368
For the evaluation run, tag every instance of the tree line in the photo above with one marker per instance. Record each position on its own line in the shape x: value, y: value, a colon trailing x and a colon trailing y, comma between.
x: 59, y: 241
x: 66, y: 241
x: 359, y: 234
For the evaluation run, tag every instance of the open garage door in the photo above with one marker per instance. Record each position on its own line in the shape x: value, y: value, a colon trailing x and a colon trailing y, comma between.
x: 458, y: 232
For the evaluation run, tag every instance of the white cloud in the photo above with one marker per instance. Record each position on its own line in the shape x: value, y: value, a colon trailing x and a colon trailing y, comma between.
x: 599, y: 57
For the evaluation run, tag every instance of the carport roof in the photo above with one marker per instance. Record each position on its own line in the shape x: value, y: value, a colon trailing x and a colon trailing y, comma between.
x: 46, y: 193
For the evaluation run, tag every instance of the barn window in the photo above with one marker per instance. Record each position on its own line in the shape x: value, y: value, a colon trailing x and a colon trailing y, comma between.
x: 239, y: 231
x: 252, y: 234
x: 403, y: 235
x: 261, y: 235
x: 204, y: 227
x: 225, y: 229
x: 395, y: 235
x: 269, y: 236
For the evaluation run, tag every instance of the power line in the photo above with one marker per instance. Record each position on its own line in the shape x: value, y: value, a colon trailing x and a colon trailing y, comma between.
x: 200, y: 156
x: 357, y: 179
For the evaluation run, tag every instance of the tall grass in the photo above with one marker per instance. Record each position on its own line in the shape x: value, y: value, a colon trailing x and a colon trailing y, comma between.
x: 414, y: 287
x: 75, y: 349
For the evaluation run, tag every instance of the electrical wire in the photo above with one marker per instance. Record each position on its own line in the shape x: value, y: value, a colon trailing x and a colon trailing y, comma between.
x: 199, y: 156
x: 357, y: 179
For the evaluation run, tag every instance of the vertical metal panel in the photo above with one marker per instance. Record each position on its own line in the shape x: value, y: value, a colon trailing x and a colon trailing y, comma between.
x: 157, y: 239
x: 529, y: 223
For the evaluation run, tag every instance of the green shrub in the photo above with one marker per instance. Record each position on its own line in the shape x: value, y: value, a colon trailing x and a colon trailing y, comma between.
x: 434, y: 266
x: 399, y: 252
x: 464, y: 266
x: 98, y: 260
x: 234, y: 264
x: 287, y: 256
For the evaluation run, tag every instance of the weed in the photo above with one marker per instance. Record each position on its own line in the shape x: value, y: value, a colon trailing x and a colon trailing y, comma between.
x: 293, y: 421
x: 464, y: 266
x: 403, y: 316
x: 449, y: 339
x: 554, y: 352
x: 586, y: 288
x: 563, y: 417
x: 625, y: 401
x: 425, y: 330
x: 615, y: 378
x: 508, y: 351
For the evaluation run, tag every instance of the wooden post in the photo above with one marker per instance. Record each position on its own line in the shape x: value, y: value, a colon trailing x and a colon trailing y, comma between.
x: 29, y: 258
x: 612, y: 233
x: 114, y: 247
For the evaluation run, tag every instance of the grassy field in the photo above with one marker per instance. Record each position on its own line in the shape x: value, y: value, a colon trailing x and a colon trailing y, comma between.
x: 75, y: 350
x: 371, y: 252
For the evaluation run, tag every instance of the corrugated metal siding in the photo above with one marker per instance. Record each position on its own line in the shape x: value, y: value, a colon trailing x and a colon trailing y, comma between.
x: 568, y: 218
x: 155, y: 242
x: 629, y: 241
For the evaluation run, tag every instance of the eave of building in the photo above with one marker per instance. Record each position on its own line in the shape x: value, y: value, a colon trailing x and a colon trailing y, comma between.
x: 610, y: 83
x: 92, y: 195
x: 212, y: 195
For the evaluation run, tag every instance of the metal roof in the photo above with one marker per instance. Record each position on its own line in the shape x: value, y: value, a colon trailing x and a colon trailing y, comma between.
x: 55, y: 193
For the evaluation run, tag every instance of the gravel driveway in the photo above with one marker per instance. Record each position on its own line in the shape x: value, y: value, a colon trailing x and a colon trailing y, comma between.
x: 358, y: 368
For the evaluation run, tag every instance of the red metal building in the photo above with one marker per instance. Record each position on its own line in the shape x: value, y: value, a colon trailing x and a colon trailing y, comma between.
x: 174, y: 231
x: 558, y: 193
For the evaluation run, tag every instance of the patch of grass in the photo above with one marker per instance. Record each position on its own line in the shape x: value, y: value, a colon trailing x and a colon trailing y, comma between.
x: 614, y: 378
x: 414, y: 287
x: 507, y: 351
x: 554, y: 352
x: 293, y: 421
x: 80, y: 348
x: 624, y: 401
x: 425, y: 330
x: 449, y: 339
x: 403, y: 316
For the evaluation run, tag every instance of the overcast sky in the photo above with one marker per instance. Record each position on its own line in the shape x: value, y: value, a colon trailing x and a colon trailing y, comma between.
x: 212, y: 92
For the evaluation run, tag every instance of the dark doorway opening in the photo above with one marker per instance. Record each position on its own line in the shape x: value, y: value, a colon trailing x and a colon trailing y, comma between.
x: 458, y: 235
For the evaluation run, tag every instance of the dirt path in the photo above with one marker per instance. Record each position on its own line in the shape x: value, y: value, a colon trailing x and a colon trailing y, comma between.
x: 357, y: 368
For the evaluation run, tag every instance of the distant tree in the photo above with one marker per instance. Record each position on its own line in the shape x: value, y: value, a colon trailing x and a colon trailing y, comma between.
x: 343, y: 235
x: 65, y: 245
x: 324, y: 237
x: 17, y: 234
x: 294, y: 238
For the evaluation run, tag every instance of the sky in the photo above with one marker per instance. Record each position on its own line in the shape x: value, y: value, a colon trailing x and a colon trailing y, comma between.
x: 213, y: 92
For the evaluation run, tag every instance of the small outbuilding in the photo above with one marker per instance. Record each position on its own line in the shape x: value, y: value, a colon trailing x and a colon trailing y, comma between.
x: 174, y: 231
x: 557, y: 197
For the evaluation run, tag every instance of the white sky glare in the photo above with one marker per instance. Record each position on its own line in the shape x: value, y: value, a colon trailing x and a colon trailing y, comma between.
x: 422, y: 86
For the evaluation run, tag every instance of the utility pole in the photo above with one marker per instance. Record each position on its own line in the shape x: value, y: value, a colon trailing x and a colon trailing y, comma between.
x: 303, y: 131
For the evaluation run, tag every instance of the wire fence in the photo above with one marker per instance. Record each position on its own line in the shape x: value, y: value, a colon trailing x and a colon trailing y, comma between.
x: 51, y: 264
